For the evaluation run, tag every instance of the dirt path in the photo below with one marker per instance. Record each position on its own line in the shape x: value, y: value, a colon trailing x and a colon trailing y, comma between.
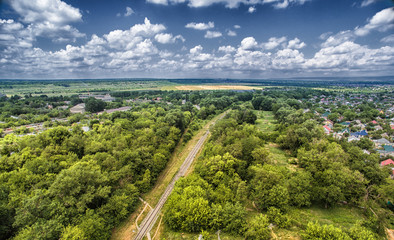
x: 128, y: 230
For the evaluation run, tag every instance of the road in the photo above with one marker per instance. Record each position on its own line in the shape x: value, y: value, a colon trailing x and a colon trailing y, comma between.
x: 152, y: 216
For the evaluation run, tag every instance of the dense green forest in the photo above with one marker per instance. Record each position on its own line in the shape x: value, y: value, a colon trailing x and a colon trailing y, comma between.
x: 70, y: 183
x: 236, y: 171
x: 66, y: 183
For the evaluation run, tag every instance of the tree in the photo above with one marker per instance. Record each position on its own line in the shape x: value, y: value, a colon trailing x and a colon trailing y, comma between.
x: 81, y: 186
x: 258, y: 228
x: 268, y: 187
x: 189, y: 211
x: 300, y: 189
x: 73, y: 233
x: 275, y: 216
x: 327, y: 232
x: 94, y: 105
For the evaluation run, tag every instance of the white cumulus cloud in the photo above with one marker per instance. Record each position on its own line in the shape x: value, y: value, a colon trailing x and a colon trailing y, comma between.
x: 388, y: 39
x: 252, y: 9
x: 129, y: 11
x: 274, y: 42
x: 229, y: 3
x: 381, y: 21
x: 212, y: 34
x: 296, y: 43
x: 200, y: 26
x: 249, y: 43
x: 49, y: 18
x: 231, y: 33
x: 166, y: 38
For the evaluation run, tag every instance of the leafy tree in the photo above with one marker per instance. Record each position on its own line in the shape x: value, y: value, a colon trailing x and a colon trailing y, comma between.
x: 327, y: 232
x: 275, y: 216
x: 81, y: 186
x: 258, y: 228
x: 94, y: 105
x: 73, y: 233
x: 300, y: 189
x: 268, y: 186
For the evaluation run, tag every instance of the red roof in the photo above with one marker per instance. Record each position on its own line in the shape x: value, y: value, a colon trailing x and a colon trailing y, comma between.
x: 387, y: 162
x: 327, y: 127
x: 374, y: 122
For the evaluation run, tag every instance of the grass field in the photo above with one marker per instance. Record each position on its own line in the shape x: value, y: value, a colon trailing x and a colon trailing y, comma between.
x: 215, y: 87
x: 340, y: 216
x: 265, y: 121
x: 78, y: 87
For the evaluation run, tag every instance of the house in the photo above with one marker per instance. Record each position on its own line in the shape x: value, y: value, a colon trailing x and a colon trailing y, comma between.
x: 359, y: 134
x: 326, y: 129
x: 329, y: 123
x: 325, y: 115
x: 85, y: 128
x: 105, y: 98
x: 121, y: 109
x: 387, y: 162
x: 378, y: 127
x: 353, y: 138
x: 387, y: 150
x: 79, y: 108
x: 366, y: 151
x: 381, y: 141
x: 374, y: 122
x: 345, y: 123
x: 64, y: 107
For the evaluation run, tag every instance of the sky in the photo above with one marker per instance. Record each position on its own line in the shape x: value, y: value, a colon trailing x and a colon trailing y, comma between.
x: 57, y: 39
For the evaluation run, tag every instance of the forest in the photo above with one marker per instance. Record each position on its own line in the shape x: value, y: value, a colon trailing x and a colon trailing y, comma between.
x: 68, y: 183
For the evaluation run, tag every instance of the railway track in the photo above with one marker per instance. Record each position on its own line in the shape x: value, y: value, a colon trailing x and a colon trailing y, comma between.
x: 152, y: 216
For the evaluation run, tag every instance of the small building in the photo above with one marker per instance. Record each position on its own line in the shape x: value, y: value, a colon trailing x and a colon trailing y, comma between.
x: 345, y: 123
x: 388, y: 148
x: 121, y: 109
x: 378, y: 127
x: 353, y: 138
x: 326, y: 129
x: 359, y: 134
x: 85, y: 128
x: 381, y: 141
x: 64, y: 107
x: 105, y: 98
x: 387, y: 162
x: 325, y: 115
x: 79, y: 108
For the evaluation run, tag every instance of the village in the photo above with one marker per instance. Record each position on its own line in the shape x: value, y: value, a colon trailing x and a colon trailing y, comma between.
x: 374, y: 127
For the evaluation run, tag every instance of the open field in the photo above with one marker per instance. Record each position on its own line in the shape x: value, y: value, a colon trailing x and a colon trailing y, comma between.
x: 215, y: 87
x: 67, y: 88
x: 265, y: 121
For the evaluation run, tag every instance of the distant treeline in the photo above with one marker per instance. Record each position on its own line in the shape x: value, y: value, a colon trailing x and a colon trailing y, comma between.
x: 298, y: 82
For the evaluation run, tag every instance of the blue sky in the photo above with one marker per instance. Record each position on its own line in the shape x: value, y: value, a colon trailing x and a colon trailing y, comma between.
x: 44, y: 39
